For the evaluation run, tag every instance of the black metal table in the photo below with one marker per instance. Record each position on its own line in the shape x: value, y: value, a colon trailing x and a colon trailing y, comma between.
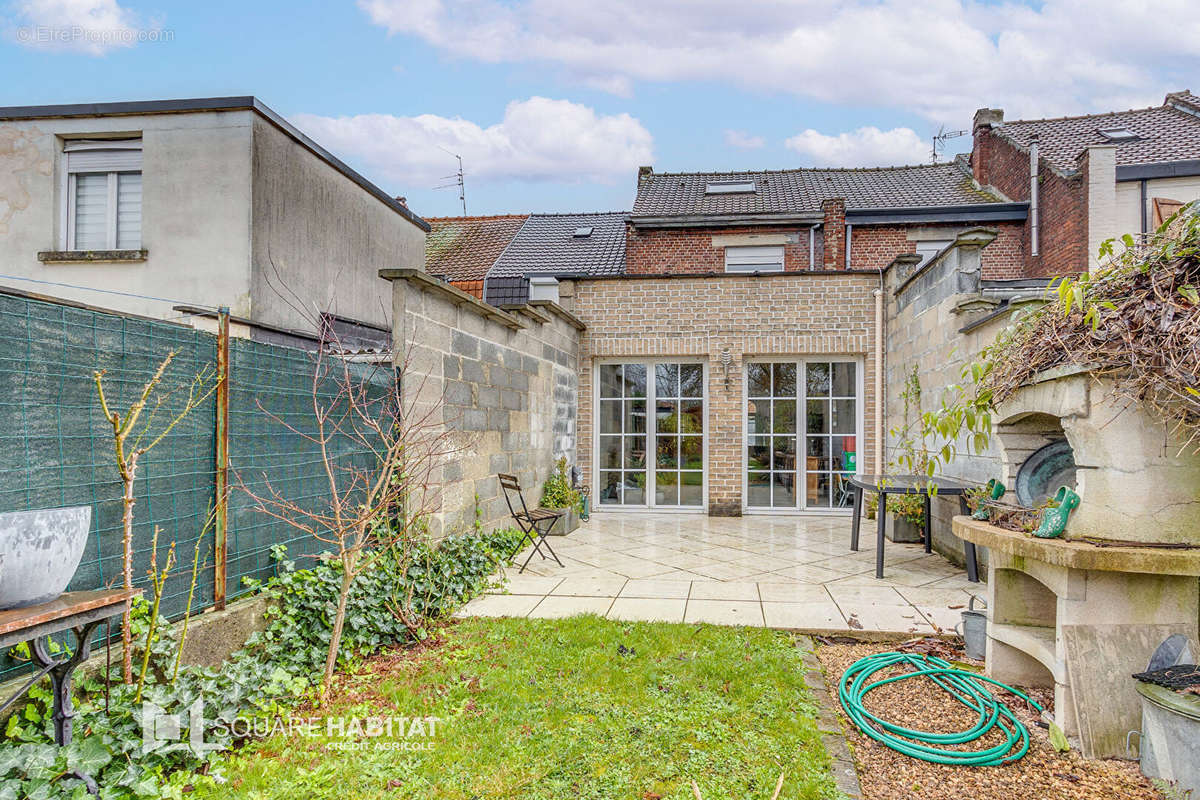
x: 883, y: 485
x: 79, y: 612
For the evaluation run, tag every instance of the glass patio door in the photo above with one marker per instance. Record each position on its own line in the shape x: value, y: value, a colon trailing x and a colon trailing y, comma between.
x: 809, y: 408
x: 651, y: 460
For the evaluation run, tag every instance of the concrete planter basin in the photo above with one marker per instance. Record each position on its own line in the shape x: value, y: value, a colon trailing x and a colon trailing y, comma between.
x: 566, y: 523
x: 39, y: 553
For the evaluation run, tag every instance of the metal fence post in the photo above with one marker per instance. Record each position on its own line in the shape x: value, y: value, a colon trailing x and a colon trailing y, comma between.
x: 221, y: 520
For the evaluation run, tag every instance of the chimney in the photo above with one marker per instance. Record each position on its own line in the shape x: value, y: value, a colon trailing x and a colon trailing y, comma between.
x: 644, y: 174
x: 835, y: 233
x: 985, y: 120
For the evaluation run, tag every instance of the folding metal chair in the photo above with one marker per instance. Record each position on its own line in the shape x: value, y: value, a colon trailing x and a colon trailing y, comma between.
x: 534, y: 525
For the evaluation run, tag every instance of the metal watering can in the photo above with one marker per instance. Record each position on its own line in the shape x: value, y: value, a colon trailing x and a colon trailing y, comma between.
x: 973, y: 629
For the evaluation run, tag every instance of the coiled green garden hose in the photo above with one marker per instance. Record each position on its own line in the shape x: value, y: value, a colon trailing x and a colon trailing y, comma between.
x: 966, y: 687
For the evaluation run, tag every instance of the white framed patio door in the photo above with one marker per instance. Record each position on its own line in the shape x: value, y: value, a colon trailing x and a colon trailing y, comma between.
x: 803, y: 427
x: 650, y: 435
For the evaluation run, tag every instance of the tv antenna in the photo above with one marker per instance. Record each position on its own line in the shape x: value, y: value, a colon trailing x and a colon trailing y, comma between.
x: 455, y: 180
x: 939, y: 141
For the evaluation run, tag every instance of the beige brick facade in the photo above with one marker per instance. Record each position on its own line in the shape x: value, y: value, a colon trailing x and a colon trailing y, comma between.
x: 788, y: 314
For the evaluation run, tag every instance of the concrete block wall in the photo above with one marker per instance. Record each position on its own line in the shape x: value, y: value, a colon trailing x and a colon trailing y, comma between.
x: 509, y: 395
x: 923, y: 322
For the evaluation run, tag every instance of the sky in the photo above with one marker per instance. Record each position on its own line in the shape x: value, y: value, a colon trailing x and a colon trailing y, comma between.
x: 554, y: 104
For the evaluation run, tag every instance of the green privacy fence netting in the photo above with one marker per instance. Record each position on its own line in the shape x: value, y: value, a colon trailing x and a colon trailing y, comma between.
x: 56, y: 448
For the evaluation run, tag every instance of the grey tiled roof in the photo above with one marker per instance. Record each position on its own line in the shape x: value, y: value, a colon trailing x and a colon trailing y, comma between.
x: 545, y: 245
x: 1165, y: 133
x: 802, y: 190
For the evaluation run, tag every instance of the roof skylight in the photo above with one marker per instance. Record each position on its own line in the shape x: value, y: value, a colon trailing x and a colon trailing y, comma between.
x: 583, y: 232
x: 1117, y: 134
x: 730, y: 187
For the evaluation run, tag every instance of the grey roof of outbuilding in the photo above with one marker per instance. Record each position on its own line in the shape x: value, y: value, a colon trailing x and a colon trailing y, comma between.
x: 1170, y: 132
x: 803, y: 190
x: 546, y: 245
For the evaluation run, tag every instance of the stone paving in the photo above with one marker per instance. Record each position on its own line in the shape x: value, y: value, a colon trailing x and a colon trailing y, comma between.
x: 795, y: 572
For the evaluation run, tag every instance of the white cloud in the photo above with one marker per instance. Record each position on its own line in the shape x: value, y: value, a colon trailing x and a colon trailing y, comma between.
x: 743, y: 140
x: 93, y: 27
x: 940, y: 58
x: 865, y: 147
x: 538, y: 139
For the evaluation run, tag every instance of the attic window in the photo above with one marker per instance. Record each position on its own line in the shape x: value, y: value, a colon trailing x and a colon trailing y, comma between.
x: 730, y: 187
x: 583, y: 233
x: 1117, y: 134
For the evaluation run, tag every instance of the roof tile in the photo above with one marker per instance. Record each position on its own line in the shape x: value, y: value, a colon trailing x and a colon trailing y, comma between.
x: 802, y: 190
x: 464, y: 248
x: 1170, y: 132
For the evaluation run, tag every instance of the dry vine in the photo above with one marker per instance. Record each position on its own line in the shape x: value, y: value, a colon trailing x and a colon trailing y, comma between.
x: 1136, y: 323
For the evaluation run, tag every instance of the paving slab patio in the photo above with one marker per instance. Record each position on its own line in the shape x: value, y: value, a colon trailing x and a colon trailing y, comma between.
x: 794, y: 572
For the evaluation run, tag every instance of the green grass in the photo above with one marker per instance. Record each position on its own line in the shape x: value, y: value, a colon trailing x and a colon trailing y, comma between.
x: 556, y: 709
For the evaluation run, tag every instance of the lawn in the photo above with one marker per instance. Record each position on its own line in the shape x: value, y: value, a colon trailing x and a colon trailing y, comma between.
x: 574, y: 708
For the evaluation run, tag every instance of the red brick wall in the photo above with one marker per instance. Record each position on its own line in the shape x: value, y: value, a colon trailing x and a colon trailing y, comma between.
x: 1063, y: 203
x: 835, y: 233
x: 690, y: 251
x: 875, y: 246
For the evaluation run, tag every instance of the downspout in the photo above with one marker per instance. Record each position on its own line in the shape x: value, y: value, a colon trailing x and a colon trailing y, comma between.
x: 1034, y: 226
x: 812, y: 241
x: 849, y: 230
x: 879, y: 399
x: 1145, y: 222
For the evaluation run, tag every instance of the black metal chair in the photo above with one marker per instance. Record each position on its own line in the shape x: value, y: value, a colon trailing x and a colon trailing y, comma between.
x: 535, y: 525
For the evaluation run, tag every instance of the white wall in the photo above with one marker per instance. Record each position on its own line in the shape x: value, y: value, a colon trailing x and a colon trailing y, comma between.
x: 321, y: 237
x: 195, y: 211
x: 1129, y: 197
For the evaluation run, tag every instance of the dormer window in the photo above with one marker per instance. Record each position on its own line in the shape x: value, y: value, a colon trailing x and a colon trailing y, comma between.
x: 583, y: 232
x: 730, y: 187
x: 1118, y: 134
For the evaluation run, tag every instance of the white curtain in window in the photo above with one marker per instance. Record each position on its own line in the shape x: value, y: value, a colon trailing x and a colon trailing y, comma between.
x: 91, y: 211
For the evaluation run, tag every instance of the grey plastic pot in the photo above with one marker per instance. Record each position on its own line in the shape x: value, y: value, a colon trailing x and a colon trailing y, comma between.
x: 39, y: 553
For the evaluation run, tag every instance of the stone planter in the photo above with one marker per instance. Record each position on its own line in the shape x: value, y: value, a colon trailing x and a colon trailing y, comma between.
x: 566, y: 523
x: 39, y: 553
x: 1134, y: 482
x: 1170, y: 743
x: 897, y: 529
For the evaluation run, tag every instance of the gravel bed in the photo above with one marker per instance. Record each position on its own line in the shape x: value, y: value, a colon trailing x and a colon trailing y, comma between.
x: 917, y: 703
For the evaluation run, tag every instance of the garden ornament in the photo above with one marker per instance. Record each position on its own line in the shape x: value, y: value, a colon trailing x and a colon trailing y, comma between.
x: 995, y: 490
x: 1054, y: 518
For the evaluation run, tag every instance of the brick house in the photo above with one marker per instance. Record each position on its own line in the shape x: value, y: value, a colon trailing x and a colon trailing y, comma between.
x: 1097, y: 176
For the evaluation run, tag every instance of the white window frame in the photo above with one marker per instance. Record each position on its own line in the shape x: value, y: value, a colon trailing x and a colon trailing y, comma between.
x: 651, y: 433
x: 96, y: 156
x: 801, y: 506
x: 754, y: 258
x: 928, y: 249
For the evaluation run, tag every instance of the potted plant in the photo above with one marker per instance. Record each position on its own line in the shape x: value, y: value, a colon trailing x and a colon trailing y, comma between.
x: 558, y: 495
x: 906, y: 517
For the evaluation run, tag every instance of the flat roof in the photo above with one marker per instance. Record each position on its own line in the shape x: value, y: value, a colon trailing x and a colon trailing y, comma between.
x: 202, y: 104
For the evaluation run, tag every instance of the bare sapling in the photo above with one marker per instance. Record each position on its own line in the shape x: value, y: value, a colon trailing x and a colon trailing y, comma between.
x: 382, y: 441
x: 137, y: 431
